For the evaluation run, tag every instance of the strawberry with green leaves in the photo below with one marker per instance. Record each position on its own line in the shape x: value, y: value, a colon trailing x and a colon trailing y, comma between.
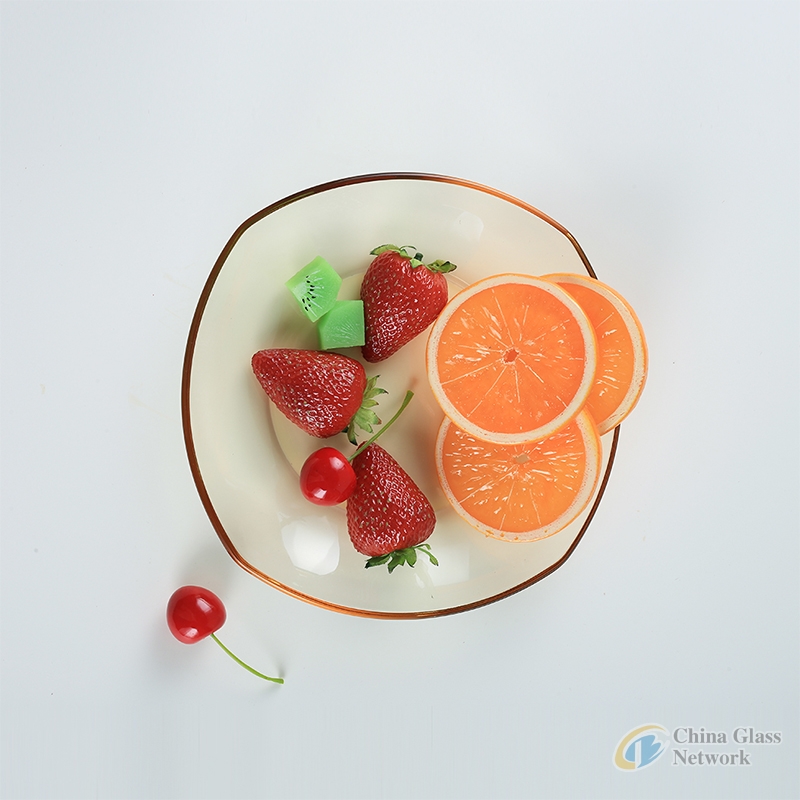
x: 388, y: 516
x: 323, y: 393
x: 402, y: 296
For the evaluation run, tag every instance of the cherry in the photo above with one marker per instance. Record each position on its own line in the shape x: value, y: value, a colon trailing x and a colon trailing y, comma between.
x: 193, y: 613
x: 327, y: 477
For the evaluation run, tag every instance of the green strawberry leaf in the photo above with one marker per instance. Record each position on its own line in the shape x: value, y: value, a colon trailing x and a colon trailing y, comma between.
x: 441, y: 266
x: 417, y: 259
x: 388, y: 248
x: 364, y: 418
x: 406, y: 251
x: 398, y: 558
x: 426, y: 548
x: 376, y: 561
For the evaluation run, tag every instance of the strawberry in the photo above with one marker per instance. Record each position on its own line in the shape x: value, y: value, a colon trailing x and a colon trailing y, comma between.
x: 323, y: 393
x: 388, y: 517
x: 402, y: 297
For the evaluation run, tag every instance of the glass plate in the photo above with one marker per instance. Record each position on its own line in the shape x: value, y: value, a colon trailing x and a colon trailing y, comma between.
x: 244, y: 458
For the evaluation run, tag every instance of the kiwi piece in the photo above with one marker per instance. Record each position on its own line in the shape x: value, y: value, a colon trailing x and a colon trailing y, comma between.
x: 315, y: 287
x: 342, y: 326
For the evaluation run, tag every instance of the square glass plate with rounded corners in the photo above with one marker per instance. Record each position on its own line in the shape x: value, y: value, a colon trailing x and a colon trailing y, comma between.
x: 245, y: 456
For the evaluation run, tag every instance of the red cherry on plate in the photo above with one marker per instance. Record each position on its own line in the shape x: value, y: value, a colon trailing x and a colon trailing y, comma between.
x: 194, y: 613
x: 327, y: 477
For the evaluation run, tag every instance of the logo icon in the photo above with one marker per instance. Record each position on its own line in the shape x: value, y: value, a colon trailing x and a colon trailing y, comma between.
x: 641, y: 747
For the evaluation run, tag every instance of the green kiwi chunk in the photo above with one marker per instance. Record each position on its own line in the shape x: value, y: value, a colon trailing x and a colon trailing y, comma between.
x: 342, y: 326
x: 315, y: 287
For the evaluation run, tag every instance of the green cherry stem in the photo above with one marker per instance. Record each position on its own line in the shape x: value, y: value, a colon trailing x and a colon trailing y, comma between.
x: 364, y: 445
x: 241, y: 663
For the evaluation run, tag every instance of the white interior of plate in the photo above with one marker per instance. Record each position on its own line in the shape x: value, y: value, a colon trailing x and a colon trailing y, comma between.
x: 245, y: 456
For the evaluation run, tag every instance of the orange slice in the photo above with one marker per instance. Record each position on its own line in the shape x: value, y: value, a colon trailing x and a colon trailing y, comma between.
x: 511, y: 359
x: 621, y: 349
x: 521, y: 492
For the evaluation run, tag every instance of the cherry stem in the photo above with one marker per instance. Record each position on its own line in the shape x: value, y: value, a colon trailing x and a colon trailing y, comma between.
x: 364, y: 445
x: 241, y: 663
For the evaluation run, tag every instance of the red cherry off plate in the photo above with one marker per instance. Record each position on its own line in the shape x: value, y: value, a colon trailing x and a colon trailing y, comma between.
x: 245, y: 459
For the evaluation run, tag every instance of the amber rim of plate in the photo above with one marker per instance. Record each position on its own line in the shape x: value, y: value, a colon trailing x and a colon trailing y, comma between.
x: 186, y: 407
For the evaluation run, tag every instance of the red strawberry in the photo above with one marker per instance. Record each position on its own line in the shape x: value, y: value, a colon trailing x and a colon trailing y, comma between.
x: 388, y: 517
x: 323, y: 393
x: 402, y: 297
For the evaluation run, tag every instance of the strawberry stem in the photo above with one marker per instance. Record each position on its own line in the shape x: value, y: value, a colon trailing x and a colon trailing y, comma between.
x: 241, y: 663
x: 364, y: 445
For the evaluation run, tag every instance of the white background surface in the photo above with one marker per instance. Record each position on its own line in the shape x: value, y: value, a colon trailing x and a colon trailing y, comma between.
x: 136, y: 137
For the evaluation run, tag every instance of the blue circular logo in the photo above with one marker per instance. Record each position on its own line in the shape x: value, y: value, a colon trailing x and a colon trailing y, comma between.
x: 641, y: 747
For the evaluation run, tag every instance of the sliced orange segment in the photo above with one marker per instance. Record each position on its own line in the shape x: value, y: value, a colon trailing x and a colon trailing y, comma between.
x: 520, y: 492
x: 511, y: 359
x: 621, y: 349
